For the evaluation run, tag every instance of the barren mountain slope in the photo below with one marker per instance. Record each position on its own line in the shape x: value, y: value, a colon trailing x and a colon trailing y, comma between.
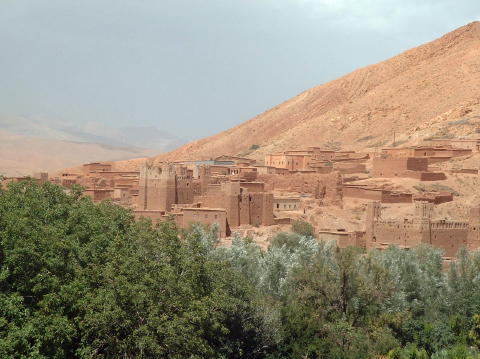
x: 417, y: 93
x: 22, y: 155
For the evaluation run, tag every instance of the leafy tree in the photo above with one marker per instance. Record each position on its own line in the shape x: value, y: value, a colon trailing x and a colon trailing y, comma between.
x: 303, y: 228
x: 80, y: 280
x: 85, y: 280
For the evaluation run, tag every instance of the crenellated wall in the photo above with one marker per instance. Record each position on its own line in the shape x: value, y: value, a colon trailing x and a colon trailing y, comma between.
x: 450, y: 236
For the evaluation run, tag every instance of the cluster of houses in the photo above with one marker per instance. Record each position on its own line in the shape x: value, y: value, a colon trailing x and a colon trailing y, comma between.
x: 236, y: 192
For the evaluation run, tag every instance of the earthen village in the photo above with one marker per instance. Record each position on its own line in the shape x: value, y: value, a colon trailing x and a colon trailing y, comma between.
x: 325, y: 187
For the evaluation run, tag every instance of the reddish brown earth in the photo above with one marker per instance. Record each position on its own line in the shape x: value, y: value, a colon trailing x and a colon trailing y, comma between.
x: 417, y: 94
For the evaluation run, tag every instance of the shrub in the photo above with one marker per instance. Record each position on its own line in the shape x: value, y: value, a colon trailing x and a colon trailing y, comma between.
x: 289, y: 240
x: 380, y: 143
x: 399, y: 143
x: 333, y: 145
x: 366, y: 138
x: 303, y: 228
x: 441, y: 187
x: 464, y: 121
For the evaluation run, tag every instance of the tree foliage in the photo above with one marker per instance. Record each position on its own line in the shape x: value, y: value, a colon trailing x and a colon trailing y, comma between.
x: 85, y: 280
x: 79, y: 280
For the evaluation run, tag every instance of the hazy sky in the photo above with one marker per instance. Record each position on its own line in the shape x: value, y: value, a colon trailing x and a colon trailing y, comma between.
x: 196, y: 67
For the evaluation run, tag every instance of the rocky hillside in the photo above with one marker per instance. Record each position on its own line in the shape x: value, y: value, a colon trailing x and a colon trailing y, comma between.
x: 431, y: 90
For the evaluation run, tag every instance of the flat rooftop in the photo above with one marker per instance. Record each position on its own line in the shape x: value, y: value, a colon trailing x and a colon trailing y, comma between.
x: 204, y: 209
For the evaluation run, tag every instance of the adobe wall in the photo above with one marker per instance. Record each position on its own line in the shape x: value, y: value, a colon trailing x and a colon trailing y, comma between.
x: 432, y: 176
x: 97, y: 166
x: 271, y: 170
x: 244, y: 209
x: 206, y: 216
x: 460, y: 152
x: 350, y: 167
x: 236, y: 160
x: 256, y: 208
x: 267, y: 209
x: 473, y: 144
x: 286, y: 203
x: 398, y: 152
x: 435, y: 198
x: 253, y: 186
x: 403, y: 234
x: 327, y: 186
x: 396, y: 197
x: 438, y: 159
x: 98, y: 195
x: 216, y: 169
x: 41, y: 177
x: 290, y: 161
x: 473, y: 237
x: 154, y: 216
x: 275, y: 160
x: 364, y: 193
x: 245, y: 175
x: 376, y: 194
x: 162, y: 186
x: 122, y: 196
x: 344, y: 239
x: 231, y: 193
x: 157, y: 188
x: 283, y: 220
x: 323, y: 155
x: 204, y: 175
x: 184, y: 191
x: 472, y: 171
x: 449, y: 236
x: 399, y: 167
x: 424, y: 152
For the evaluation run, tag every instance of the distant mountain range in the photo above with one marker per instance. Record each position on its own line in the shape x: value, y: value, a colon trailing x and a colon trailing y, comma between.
x: 29, y: 145
x: 90, y: 132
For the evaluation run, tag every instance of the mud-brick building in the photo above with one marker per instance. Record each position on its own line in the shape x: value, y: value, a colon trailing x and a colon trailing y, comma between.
x: 243, y: 206
x: 434, y: 154
x: 246, y: 202
x: 411, y: 167
x: 471, y: 143
x: 286, y: 203
x: 291, y: 160
x: 96, y: 167
x: 162, y: 186
x: 450, y: 236
x: 187, y: 216
x: 208, y: 216
x: 376, y: 194
x: 343, y: 238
